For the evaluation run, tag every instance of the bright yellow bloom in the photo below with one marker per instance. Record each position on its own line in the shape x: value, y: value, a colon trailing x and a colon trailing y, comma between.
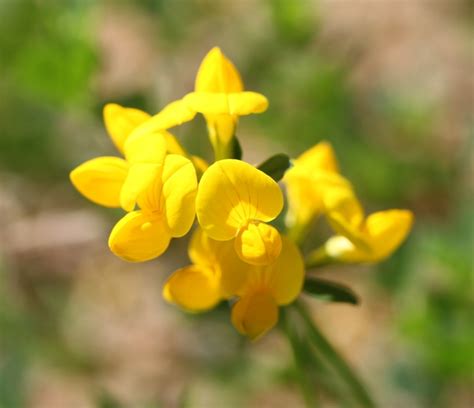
x: 313, y: 173
x: 219, y: 95
x: 266, y: 288
x: 120, y: 122
x: 166, y: 211
x: 235, y: 200
x: 363, y: 239
x: 216, y: 274
x: 115, y: 182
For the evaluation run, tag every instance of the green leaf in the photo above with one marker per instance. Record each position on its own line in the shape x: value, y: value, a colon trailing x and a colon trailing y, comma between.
x: 335, y: 292
x: 275, y: 166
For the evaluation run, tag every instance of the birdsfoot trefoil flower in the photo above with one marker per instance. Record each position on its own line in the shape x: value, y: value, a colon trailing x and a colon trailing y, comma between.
x: 236, y: 255
x: 360, y: 238
x: 219, y: 95
x: 235, y: 201
x: 166, y: 211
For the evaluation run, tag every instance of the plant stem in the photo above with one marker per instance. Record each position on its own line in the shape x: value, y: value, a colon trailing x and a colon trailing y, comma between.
x: 306, y: 388
x: 345, y: 372
x: 318, y: 257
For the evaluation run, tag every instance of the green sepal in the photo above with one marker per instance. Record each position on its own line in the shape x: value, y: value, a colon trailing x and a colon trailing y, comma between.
x: 236, y: 149
x: 275, y: 166
x: 332, y: 291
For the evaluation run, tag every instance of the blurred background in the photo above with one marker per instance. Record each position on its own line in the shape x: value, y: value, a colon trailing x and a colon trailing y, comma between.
x: 388, y: 82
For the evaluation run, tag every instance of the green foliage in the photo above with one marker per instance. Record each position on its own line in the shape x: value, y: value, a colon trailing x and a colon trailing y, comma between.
x: 275, y: 166
x: 328, y: 290
x: 47, y: 50
x: 47, y: 66
x: 293, y: 21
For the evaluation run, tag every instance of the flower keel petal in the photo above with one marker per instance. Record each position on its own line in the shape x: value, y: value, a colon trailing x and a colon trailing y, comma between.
x: 138, y: 237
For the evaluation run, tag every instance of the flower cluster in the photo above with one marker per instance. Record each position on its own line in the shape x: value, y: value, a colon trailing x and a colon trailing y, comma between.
x: 236, y: 254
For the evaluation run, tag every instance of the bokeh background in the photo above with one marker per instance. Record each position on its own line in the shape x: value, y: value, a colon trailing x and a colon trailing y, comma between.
x: 388, y: 82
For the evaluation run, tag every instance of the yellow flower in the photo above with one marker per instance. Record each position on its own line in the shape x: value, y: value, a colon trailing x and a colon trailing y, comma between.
x: 122, y: 122
x: 218, y: 274
x: 313, y: 173
x: 215, y: 275
x: 115, y: 182
x: 266, y: 288
x: 235, y: 200
x: 363, y: 239
x: 166, y: 211
x: 219, y: 95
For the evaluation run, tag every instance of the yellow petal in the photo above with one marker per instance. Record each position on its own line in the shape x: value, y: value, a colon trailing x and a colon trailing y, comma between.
x: 217, y: 74
x: 320, y: 157
x: 346, y: 215
x: 258, y: 244
x: 120, y: 122
x: 387, y: 230
x: 174, y: 114
x: 146, y: 154
x: 286, y: 274
x: 340, y: 248
x: 240, y: 104
x: 222, y: 258
x: 138, y: 237
x: 193, y: 288
x: 172, y: 144
x: 383, y: 231
x: 200, y: 164
x: 305, y: 190
x: 313, y: 174
x: 101, y: 179
x: 146, y: 148
x: 141, y: 176
x: 179, y: 193
x: 221, y: 129
x: 202, y: 250
x: 304, y: 200
x: 231, y: 193
x: 255, y: 314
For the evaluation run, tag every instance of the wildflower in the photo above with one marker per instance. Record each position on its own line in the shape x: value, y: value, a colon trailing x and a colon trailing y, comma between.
x: 313, y: 173
x: 235, y: 200
x: 266, y: 288
x: 219, y: 95
x: 122, y: 122
x: 166, y: 211
x: 363, y: 239
x: 218, y: 274
x: 102, y: 179
x: 215, y: 274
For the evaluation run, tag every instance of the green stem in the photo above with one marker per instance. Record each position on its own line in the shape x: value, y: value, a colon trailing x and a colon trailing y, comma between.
x: 318, y: 257
x: 298, y: 233
x: 339, y: 365
x: 306, y: 389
